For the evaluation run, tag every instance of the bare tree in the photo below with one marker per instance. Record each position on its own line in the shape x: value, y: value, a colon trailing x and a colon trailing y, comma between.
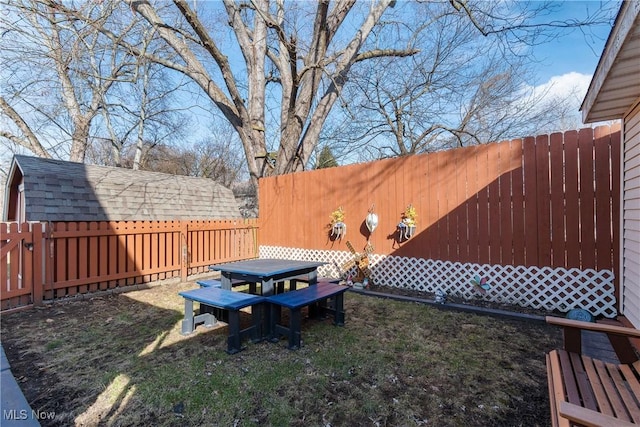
x: 460, y: 89
x: 57, y: 72
x: 70, y: 92
x: 296, y: 48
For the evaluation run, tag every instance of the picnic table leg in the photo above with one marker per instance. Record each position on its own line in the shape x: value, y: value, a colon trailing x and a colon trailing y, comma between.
x: 267, y: 287
x: 187, y: 323
x: 225, y: 280
x: 313, y: 277
x: 338, y: 317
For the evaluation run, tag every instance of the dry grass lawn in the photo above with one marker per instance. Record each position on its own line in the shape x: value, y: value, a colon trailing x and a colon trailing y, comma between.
x: 120, y: 360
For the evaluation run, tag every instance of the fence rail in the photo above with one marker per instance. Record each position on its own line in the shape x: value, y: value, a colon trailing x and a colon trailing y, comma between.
x: 55, y: 260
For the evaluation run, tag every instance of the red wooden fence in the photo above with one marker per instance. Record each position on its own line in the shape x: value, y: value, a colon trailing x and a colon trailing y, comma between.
x: 68, y: 258
x: 551, y: 200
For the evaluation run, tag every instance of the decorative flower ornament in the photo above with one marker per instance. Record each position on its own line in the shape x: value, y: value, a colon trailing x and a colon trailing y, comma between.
x: 338, y: 227
x: 407, y: 226
x: 409, y: 216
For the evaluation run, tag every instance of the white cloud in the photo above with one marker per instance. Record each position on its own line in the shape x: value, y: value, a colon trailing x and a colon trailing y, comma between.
x: 571, y: 86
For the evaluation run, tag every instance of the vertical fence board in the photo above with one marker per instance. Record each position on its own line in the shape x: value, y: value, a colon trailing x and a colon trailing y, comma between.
x: 462, y: 220
x: 604, y: 235
x: 587, y: 197
x: 483, y: 204
x: 558, y: 196
x: 518, y: 213
x: 472, y: 205
x: 83, y: 254
x: 430, y: 212
x: 506, y: 208
x: 572, y: 204
x: 531, y: 207
x: 543, y: 200
x: 494, y: 202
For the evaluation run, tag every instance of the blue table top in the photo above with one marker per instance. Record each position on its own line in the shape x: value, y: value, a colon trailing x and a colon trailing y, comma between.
x: 265, y: 267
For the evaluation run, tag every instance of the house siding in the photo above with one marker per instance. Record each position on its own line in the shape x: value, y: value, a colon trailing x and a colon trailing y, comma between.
x: 631, y: 216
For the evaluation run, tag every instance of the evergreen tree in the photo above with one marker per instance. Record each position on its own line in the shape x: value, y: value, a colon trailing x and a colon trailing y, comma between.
x: 326, y: 159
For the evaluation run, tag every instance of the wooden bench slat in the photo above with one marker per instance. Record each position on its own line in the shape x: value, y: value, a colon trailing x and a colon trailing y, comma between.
x: 596, y: 385
x: 586, y: 392
x: 611, y: 391
x: 556, y: 389
x: 589, y: 418
x: 629, y: 402
x: 570, y: 383
x: 632, y: 380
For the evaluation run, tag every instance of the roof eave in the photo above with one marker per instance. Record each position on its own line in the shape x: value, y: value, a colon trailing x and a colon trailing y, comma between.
x: 622, y: 27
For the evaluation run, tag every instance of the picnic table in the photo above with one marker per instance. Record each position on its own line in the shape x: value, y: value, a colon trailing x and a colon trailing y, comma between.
x: 265, y: 323
x: 267, y: 272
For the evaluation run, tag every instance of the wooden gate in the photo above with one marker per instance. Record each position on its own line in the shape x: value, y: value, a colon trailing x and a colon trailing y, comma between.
x: 21, y: 264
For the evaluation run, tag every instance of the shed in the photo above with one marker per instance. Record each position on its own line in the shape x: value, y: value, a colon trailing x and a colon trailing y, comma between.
x: 39, y: 189
x: 614, y: 93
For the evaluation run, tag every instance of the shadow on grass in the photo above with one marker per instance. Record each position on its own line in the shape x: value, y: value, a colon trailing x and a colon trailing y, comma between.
x: 121, y: 360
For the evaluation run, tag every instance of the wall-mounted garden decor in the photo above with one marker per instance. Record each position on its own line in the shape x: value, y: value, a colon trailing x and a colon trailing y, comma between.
x: 338, y: 226
x: 371, y: 221
x: 407, y: 226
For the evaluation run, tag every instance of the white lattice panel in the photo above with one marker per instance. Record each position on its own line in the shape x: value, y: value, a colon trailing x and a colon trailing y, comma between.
x: 543, y: 288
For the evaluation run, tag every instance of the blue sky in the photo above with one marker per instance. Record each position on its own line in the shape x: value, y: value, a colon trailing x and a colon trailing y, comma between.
x: 568, y: 62
x: 575, y: 50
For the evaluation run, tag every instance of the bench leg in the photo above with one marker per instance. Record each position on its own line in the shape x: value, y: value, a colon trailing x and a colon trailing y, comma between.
x: 218, y: 313
x: 257, y: 334
x: 233, y: 341
x: 295, y: 323
x: 190, y: 321
x: 187, y: 323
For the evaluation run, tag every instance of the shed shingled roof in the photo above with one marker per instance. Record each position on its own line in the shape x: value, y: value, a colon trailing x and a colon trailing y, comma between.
x: 57, y: 190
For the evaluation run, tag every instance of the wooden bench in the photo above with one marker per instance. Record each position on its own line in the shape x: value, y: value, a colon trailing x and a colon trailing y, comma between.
x: 304, y: 278
x: 217, y: 283
x: 227, y: 300
x: 585, y: 391
x: 315, y: 296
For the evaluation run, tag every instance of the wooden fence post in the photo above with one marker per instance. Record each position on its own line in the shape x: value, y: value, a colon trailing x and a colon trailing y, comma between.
x: 37, y: 264
x: 184, y: 243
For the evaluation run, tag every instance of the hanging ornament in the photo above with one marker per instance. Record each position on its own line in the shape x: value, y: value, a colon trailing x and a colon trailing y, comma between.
x: 372, y: 220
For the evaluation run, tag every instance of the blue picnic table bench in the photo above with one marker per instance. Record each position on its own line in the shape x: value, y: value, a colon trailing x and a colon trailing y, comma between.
x: 323, y: 298
x: 227, y: 300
